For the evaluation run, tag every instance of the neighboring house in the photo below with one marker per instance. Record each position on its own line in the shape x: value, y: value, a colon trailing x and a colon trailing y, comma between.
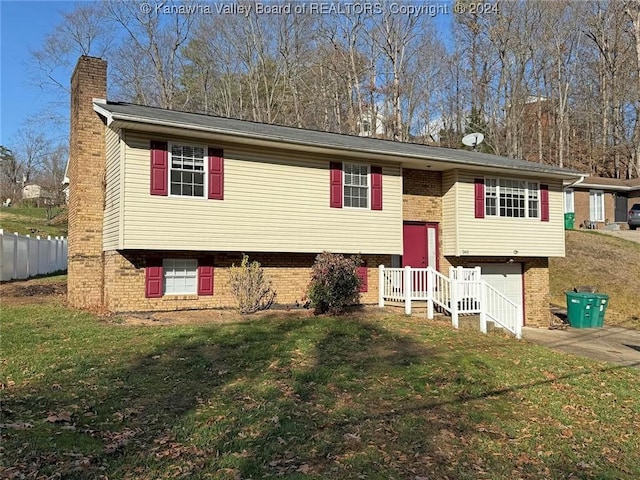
x: 162, y: 203
x: 30, y: 192
x: 37, y: 195
x: 65, y: 183
x: 597, y: 201
x: 368, y: 128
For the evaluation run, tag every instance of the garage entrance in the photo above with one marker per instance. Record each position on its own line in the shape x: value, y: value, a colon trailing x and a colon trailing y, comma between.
x: 507, y: 279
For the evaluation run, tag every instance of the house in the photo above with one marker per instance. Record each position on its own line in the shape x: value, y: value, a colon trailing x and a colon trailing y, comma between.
x: 32, y: 192
x: 597, y: 201
x: 37, y: 195
x: 368, y: 128
x: 163, y: 202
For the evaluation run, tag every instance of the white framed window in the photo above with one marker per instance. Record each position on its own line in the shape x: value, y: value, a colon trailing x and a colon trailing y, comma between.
x: 356, y: 185
x: 187, y: 170
x: 533, y: 199
x: 568, y: 201
x: 180, y: 276
x: 491, y: 196
x: 506, y: 197
x: 596, y: 205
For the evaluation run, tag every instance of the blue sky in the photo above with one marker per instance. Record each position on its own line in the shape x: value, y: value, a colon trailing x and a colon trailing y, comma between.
x: 24, y: 26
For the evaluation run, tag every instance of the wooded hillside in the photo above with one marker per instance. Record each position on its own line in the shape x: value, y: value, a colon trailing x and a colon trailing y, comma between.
x: 552, y: 82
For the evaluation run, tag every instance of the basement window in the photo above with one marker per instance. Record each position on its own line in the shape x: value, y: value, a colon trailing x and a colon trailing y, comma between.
x: 180, y: 276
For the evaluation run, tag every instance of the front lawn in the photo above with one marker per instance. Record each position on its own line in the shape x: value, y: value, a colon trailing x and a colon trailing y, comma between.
x: 372, y: 396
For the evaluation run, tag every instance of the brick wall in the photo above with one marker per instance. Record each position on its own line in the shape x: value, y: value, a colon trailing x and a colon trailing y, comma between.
x: 581, y: 207
x: 422, y: 202
x: 535, y: 281
x: 421, y: 195
x: 86, y: 188
x: 290, y: 274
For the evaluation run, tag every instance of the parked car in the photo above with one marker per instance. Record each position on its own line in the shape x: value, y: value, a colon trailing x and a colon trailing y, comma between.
x: 634, y: 216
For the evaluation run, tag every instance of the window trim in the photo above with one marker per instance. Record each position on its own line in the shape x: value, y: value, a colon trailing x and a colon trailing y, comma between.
x: 592, y: 204
x: 344, y: 185
x: 527, y: 198
x: 165, y: 269
x: 569, y: 194
x: 205, y: 172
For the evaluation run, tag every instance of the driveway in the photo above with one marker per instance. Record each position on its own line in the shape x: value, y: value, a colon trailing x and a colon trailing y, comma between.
x: 609, y: 344
x: 633, y: 235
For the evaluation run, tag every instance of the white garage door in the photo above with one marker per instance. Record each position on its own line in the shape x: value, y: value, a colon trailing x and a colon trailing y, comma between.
x: 506, y: 278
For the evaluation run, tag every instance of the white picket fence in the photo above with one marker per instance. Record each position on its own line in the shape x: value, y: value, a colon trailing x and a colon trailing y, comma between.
x: 23, y: 256
x: 463, y: 293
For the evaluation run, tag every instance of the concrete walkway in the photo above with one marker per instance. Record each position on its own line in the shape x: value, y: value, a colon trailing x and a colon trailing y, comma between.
x: 610, y: 344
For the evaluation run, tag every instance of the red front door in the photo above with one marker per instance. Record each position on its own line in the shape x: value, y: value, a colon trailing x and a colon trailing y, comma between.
x: 420, y: 245
x: 414, y: 245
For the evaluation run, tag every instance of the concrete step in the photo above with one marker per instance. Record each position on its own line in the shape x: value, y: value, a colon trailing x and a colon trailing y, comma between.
x: 473, y: 321
x: 418, y: 308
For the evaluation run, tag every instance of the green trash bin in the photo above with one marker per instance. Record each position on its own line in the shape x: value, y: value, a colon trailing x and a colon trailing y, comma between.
x: 569, y: 220
x: 580, y: 309
x: 601, y: 304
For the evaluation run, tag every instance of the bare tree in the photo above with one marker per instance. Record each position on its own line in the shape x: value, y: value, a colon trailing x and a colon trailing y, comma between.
x: 10, y: 175
x: 51, y: 173
x: 31, y: 149
x: 632, y: 10
x: 152, y: 49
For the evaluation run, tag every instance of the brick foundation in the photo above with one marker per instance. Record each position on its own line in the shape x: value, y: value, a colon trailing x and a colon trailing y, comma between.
x: 289, y: 274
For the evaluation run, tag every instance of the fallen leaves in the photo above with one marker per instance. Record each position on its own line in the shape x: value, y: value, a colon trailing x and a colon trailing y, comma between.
x: 116, y: 440
x: 16, y: 425
x: 59, y: 417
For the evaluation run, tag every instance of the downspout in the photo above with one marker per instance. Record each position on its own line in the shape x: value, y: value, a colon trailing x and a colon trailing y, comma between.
x: 577, y: 182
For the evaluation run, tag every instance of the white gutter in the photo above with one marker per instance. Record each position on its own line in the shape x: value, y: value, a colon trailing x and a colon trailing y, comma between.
x: 622, y: 188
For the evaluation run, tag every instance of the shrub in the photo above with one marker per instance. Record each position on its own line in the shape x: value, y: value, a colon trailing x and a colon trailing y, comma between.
x: 334, y: 283
x: 251, y: 288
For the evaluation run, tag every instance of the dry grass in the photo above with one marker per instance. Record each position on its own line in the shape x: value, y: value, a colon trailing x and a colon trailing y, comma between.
x: 609, y: 263
x: 33, y: 221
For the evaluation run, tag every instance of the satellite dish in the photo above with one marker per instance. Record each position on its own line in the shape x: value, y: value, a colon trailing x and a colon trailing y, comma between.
x: 473, y: 139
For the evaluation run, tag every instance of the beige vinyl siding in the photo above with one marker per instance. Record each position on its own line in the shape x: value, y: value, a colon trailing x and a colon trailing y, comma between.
x: 503, y: 236
x: 449, y: 230
x: 111, y: 222
x: 274, y: 201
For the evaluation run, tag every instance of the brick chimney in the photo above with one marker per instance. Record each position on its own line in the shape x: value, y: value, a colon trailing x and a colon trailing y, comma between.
x: 86, y: 185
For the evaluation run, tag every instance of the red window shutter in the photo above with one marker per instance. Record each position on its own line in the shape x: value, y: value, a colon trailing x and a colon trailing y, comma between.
x: 376, y: 188
x: 216, y: 174
x: 336, y: 185
x: 544, y: 203
x: 479, y: 197
x: 159, y: 168
x: 153, y: 282
x: 362, y: 273
x: 205, y: 280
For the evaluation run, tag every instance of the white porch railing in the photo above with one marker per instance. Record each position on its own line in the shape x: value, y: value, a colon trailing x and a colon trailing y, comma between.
x: 464, y: 293
x: 501, y: 310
